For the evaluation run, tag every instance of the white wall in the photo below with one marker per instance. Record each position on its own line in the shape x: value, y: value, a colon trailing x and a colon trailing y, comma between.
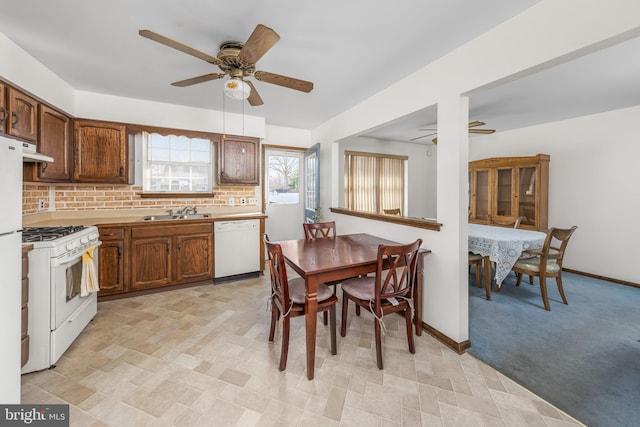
x: 594, y: 183
x: 421, y: 168
x: 548, y: 33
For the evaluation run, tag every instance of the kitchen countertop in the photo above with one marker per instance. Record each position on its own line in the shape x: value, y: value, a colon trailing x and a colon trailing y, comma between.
x: 131, y: 216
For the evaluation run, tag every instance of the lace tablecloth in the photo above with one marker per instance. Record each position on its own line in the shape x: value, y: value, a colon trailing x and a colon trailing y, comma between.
x: 502, y: 245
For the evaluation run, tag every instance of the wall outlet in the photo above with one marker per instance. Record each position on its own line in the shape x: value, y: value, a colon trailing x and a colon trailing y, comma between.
x: 243, y: 201
x: 253, y: 201
x: 40, y: 205
x: 232, y: 201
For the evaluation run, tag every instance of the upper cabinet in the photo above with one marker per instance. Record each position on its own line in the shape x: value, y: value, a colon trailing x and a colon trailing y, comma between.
x: 238, y: 160
x: 101, y: 153
x: 510, y: 186
x: 20, y: 115
x: 4, y: 111
x: 54, y: 140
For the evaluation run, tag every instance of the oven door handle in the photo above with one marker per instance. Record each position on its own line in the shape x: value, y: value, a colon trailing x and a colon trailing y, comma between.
x: 67, y: 259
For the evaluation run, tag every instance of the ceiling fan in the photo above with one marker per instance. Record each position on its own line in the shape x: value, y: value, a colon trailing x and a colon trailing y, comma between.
x: 236, y: 60
x: 472, y: 129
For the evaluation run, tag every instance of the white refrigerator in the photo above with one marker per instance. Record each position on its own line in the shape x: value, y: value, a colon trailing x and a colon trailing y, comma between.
x: 10, y: 268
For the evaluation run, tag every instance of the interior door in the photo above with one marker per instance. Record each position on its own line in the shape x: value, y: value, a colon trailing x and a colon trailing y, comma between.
x: 312, y: 184
x: 284, y: 182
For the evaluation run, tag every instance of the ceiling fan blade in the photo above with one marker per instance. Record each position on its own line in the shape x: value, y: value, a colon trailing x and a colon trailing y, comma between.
x: 259, y: 42
x: 280, y: 80
x: 476, y: 123
x: 420, y: 137
x: 254, y: 97
x: 178, y: 46
x: 199, y: 79
x: 427, y: 129
x: 485, y: 131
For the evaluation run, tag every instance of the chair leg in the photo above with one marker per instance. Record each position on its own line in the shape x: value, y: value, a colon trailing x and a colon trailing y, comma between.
x: 560, y: 289
x: 343, y: 326
x: 357, y: 310
x: 407, y: 316
x: 378, y: 334
x: 275, y: 314
x: 519, y: 276
x: 543, y: 291
x: 332, y: 312
x: 285, y: 343
x: 325, y: 317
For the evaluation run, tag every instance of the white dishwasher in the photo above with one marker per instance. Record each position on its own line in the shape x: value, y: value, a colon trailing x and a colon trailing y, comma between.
x: 237, y: 247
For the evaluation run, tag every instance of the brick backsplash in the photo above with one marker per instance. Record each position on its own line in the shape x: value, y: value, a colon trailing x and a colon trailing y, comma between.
x: 79, y: 197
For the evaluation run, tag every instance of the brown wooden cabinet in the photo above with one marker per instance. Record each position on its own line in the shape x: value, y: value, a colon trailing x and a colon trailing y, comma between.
x: 22, y: 115
x: 510, y: 186
x: 54, y: 140
x: 4, y: 111
x: 111, y: 260
x: 171, y: 254
x: 238, y: 160
x: 24, y: 351
x: 101, y: 153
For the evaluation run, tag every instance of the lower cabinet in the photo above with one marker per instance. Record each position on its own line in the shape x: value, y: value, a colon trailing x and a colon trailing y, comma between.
x: 170, y: 255
x: 111, y: 260
x: 24, y: 347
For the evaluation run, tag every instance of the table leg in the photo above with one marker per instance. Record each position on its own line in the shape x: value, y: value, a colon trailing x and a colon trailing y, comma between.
x: 311, y: 315
x: 486, y: 262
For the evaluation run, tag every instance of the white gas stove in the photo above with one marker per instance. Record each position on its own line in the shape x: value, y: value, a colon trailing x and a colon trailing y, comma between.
x: 57, y: 311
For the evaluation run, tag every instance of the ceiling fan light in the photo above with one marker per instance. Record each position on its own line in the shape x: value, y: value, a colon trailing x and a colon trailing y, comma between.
x: 237, y: 89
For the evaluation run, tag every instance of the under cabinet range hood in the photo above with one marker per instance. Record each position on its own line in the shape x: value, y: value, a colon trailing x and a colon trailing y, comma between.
x: 29, y: 154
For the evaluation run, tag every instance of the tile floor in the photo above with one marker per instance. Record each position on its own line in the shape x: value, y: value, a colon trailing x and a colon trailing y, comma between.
x: 200, y: 357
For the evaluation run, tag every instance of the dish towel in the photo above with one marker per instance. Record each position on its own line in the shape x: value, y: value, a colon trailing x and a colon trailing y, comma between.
x: 89, y: 281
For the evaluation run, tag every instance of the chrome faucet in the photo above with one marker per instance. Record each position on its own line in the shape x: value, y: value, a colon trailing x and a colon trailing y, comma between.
x: 186, y: 210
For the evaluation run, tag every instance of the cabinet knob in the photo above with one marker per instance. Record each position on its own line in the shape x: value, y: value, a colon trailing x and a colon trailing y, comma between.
x: 15, y: 119
x: 121, y: 171
x: 3, y: 115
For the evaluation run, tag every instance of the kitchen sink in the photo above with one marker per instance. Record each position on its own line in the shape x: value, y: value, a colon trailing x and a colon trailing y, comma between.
x: 169, y: 217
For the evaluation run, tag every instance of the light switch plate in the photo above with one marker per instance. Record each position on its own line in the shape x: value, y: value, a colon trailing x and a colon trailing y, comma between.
x: 232, y: 201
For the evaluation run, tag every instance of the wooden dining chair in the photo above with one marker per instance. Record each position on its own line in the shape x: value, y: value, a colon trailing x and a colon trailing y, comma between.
x: 475, y: 260
x: 288, y: 300
x: 395, y: 211
x: 322, y: 230
x: 505, y: 221
x: 546, y: 263
x: 319, y: 230
x: 389, y: 291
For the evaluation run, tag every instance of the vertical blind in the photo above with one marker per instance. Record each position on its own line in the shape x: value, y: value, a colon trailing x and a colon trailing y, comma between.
x: 373, y: 182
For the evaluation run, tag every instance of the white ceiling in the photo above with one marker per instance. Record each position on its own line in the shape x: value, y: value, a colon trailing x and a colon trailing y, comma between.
x: 349, y: 49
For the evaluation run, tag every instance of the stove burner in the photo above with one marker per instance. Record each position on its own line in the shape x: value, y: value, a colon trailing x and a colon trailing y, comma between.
x: 42, y: 234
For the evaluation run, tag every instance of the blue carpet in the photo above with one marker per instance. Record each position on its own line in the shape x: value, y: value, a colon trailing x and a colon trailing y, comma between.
x: 584, y: 357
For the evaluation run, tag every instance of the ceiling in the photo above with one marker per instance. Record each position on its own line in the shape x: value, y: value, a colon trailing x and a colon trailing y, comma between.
x: 349, y: 50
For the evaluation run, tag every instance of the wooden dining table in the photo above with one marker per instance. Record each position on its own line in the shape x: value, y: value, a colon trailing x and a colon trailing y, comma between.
x: 337, y: 258
x: 503, y: 246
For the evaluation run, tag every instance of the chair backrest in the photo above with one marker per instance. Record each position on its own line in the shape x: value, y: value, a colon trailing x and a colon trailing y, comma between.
x: 278, y: 272
x: 319, y: 230
x: 513, y: 221
x: 396, y: 271
x: 395, y: 211
x: 551, y: 249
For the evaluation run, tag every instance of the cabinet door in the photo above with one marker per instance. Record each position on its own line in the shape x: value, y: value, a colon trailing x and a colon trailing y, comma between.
x: 194, y: 258
x: 504, y: 192
x: 150, y: 262
x: 23, y: 117
x: 238, y: 160
x: 4, y: 111
x: 480, y: 197
x: 54, y: 139
x: 528, y: 196
x: 111, y: 256
x: 100, y: 152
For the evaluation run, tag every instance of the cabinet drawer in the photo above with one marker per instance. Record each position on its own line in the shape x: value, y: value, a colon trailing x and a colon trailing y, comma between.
x: 111, y: 233
x: 25, y: 321
x: 24, y: 351
x: 25, y: 291
x: 170, y: 230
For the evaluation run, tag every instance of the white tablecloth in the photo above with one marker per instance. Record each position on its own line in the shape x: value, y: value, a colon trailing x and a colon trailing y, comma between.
x: 503, y: 245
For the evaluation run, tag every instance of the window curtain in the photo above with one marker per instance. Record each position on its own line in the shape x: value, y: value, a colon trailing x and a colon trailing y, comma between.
x: 373, y: 182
